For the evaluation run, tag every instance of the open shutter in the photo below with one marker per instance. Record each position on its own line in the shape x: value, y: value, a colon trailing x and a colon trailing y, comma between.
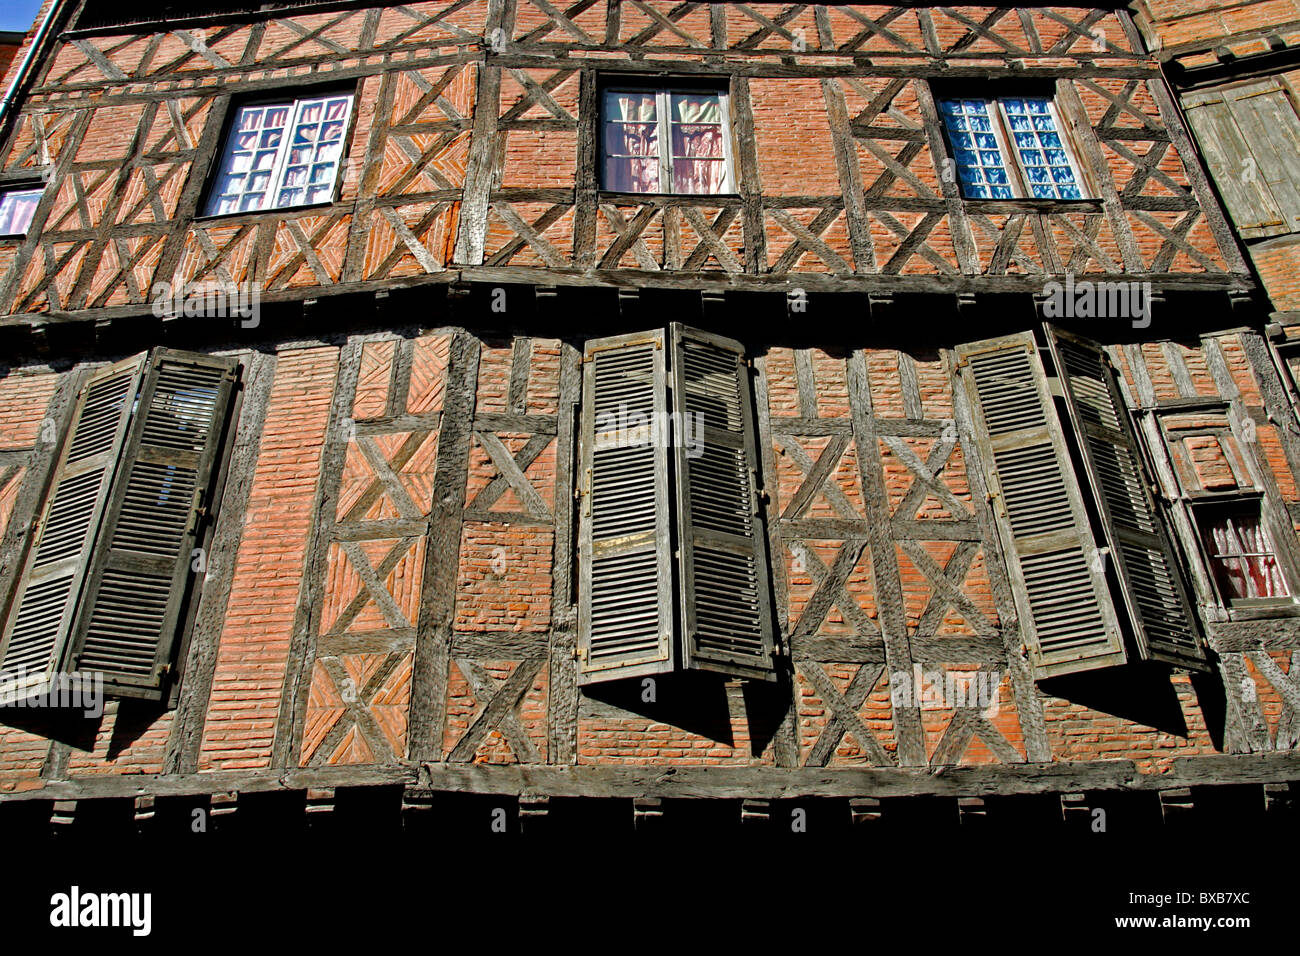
x: 135, y: 590
x: 1066, y: 613
x: 725, y: 595
x: 37, y: 629
x: 1163, y: 622
x: 1250, y: 136
x: 625, y: 618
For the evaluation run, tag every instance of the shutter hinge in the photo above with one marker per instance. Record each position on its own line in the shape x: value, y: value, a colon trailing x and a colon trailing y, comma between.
x: 198, y: 511
x: 580, y: 653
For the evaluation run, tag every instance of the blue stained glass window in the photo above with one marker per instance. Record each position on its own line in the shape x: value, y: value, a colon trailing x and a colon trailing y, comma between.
x: 981, y: 167
x: 1037, y: 145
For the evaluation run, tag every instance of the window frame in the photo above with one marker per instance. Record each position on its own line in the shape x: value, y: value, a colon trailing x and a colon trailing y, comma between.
x: 25, y: 184
x: 663, y: 88
x: 1201, y: 509
x: 1188, y: 504
x: 1001, y: 123
x: 293, y: 100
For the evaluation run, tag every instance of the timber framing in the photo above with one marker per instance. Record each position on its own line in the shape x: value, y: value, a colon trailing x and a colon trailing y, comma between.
x: 690, y: 782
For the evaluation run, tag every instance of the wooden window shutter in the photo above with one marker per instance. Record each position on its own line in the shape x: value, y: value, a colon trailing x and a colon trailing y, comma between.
x: 1164, y: 624
x: 37, y: 629
x: 625, y: 614
x: 1250, y: 136
x: 725, y: 596
x: 136, y: 587
x: 1066, y: 614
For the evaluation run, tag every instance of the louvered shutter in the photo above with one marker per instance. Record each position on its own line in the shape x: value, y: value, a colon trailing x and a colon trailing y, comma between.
x: 1066, y: 613
x: 129, y: 618
x: 625, y: 618
x: 38, y: 625
x: 1157, y: 602
x: 725, y: 595
x: 1250, y: 136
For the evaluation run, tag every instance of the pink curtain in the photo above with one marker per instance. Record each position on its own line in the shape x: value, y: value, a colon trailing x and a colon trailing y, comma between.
x: 633, y: 146
x: 631, y: 143
x: 699, y: 162
x: 1243, y: 560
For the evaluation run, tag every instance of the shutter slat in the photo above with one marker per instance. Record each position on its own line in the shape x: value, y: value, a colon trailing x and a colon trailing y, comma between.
x: 1066, y: 614
x: 128, y: 623
x: 1157, y: 602
x: 725, y: 594
x: 625, y: 621
x: 39, y: 624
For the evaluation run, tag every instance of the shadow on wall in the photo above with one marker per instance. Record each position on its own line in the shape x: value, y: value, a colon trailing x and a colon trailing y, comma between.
x: 72, y: 727
x: 696, y: 702
x: 1143, y: 694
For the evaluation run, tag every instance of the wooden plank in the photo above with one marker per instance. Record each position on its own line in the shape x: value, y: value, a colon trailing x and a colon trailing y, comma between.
x: 562, y: 669
x: 480, y: 168
x: 751, y: 189
x: 442, y: 554
x: 850, y: 174
x: 884, y: 558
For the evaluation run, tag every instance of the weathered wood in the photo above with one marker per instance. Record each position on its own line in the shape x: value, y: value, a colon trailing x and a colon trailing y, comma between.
x: 442, y: 554
x: 884, y: 559
x: 562, y: 669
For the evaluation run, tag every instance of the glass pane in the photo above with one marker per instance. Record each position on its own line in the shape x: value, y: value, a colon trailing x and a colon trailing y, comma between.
x: 631, y: 139
x: 1242, y: 557
x: 632, y: 175
x: 1040, y: 150
x: 699, y: 175
x: 252, y: 146
x: 634, y: 107
x: 316, y: 146
x: 981, y: 166
x: 696, y: 108
x: 16, y: 210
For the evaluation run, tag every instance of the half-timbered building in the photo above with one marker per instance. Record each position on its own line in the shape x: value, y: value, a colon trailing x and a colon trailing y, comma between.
x: 472, y: 409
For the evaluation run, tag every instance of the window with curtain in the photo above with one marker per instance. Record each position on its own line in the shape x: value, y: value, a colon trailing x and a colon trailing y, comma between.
x: 1243, y: 561
x: 279, y: 155
x: 17, y: 206
x: 665, y: 141
x: 1011, y: 147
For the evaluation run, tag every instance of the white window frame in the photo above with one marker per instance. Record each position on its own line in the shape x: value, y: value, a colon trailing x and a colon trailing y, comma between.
x: 663, y: 120
x: 1016, y: 174
x: 295, y: 107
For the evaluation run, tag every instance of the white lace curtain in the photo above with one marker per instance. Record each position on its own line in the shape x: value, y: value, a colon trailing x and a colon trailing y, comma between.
x: 1243, y: 558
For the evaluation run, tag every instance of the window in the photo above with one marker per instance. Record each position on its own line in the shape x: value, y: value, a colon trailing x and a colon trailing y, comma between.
x: 672, y: 553
x: 1241, y: 558
x: 1249, y: 135
x: 279, y: 155
x: 1011, y: 147
x: 105, y: 586
x: 17, y: 206
x: 666, y: 141
x: 1066, y: 528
